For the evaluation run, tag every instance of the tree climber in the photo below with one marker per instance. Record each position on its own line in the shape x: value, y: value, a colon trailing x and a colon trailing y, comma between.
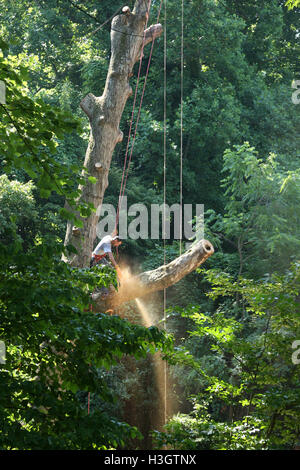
x: 104, y: 248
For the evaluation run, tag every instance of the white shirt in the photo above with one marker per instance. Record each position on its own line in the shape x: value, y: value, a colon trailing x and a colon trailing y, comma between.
x: 104, y: 246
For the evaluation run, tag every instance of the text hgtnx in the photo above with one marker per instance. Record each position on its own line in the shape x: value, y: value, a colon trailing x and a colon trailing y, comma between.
x: 172, y: 459
x: 139, y: 221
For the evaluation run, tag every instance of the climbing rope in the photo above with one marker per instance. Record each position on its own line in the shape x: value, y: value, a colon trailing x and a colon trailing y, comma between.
x: 132, y: 116
x: 164, y: 210
x: 181, y: 121
x: 126, y: 170
x: 165, y: 172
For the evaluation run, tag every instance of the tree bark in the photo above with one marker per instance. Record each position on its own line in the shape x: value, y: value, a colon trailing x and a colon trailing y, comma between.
x: 155, y: 280
x: 104, y: 113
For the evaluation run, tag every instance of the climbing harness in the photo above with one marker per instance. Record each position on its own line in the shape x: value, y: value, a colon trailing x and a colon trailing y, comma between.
x: 98, y: 257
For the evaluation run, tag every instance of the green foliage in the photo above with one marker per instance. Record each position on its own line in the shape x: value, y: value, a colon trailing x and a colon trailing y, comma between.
x: 201, y: 432
x: 54, y: 347
x: 252, y: 403
x: 14, y: 195
x: 261, y: 211
x: 292, y: 3
x: 29, y: 130
x: 239, y: 61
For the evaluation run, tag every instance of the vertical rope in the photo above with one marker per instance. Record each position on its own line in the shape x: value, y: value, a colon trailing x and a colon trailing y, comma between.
x: 132, y: 115
x: 140, y: 108
x: 124, y: 177
x: 181, y: 122
x: 164, y: 211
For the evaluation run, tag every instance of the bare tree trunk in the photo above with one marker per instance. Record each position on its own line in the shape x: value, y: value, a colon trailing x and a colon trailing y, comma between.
x: 104, y: 113
x: 158, y: 279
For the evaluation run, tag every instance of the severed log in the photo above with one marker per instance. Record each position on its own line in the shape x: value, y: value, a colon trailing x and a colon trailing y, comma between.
x: 158, y: 279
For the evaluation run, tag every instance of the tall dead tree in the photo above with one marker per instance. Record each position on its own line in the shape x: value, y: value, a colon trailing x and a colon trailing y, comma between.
x: 104, y: 113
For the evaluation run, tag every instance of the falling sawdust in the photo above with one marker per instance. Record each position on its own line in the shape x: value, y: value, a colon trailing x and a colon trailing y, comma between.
x: 149, y: 318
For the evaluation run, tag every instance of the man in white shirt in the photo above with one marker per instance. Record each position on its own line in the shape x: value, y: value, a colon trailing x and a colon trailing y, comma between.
x: 99, y: 256
x: 103, y: 249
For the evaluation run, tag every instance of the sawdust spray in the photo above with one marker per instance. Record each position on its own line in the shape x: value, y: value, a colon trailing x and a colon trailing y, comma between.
x: 150, y: 317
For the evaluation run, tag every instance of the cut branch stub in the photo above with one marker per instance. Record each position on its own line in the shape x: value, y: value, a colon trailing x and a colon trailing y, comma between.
x: 76, y: 231
x: 88, y: 105
x: 98, y: 166
x: 126, y: 10
x: 153, y: 32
